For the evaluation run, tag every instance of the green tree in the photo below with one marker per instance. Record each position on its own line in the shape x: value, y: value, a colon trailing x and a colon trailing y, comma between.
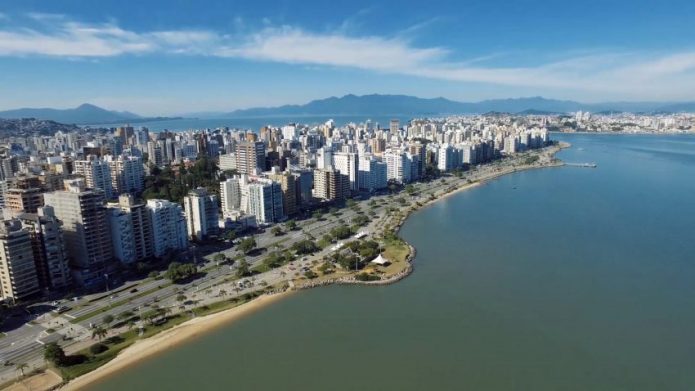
x: 177, y: 271
x: 305, y: 247
x: 341, y: 232
x: 247, y: 245
x: 291, y: 225
x: 243, y: 269
x: 52, y: 352
x: 277, y: 231
x: 99, y: 332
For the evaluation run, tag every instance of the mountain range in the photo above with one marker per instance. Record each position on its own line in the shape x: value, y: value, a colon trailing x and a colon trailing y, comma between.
x: 377, y: 104
x: 365, y: 105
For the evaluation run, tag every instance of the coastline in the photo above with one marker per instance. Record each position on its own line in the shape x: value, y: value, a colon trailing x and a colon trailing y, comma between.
x: 145, y: 349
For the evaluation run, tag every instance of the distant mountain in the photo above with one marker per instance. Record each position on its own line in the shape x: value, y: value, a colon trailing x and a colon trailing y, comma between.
x: 83, y: 114
x: 361, y: 105
x: 375, y: 104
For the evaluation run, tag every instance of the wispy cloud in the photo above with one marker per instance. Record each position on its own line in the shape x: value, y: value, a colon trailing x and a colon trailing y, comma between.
x: 660, y: 74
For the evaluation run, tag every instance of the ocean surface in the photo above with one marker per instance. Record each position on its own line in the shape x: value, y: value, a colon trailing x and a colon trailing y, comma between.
x: 555, y: 279
x: 255, y: 123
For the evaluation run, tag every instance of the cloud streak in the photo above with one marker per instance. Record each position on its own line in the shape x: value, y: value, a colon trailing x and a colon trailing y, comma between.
x: 665, y: 75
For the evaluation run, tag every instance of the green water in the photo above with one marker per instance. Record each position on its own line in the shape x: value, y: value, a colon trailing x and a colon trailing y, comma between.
x: 555, y: 279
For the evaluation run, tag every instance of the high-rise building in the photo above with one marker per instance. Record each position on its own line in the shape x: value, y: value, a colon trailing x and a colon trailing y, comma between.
x: 228, y: 162
x: 304, y: 182
x: 289, y: 190
x: 141, y: 225
x: 4, y: 187
x: 201, y: 214
x: 18, y: 279
x: 331, y: 185
x: 250, y: 157
x: 230, y: 194
x: 346, y: 163
x: 262, y: 198
x: 24, y: 200
x: 50, y: 257
x: 97, y: 174
x: 372, y: 174
x: 397, y: 167
x: 448, y: 158
x: 394, y: 126
x: 121, y: 232
x: 6, y: 168
x: 127, y: 174
x: 155, y: 154
x: 85, y: 228
x: 168, y: 227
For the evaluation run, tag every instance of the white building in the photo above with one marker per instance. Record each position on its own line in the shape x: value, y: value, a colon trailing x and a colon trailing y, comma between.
x: 397, y: 167
x: 97, y: 174
x: 372, y: 174
x: 228, y: 162
x: 263, y: 199
x: 230, y: 194
x: 127, y: 174
x: 122, y: 239
x: 448, y: 158
x: 202, y: 218
x: 168, y: 227
x: 346, y: 163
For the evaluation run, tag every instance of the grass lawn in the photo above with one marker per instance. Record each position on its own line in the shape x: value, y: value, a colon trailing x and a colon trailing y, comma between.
x: 396, y: 251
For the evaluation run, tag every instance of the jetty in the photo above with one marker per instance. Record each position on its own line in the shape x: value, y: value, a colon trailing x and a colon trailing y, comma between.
x: 585, y: 165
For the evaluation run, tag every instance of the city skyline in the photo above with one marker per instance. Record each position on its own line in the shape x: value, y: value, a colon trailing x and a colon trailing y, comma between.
x: 158, y: 59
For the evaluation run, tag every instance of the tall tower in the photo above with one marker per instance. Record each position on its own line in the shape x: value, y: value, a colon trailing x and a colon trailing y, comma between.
x: 85, y: 228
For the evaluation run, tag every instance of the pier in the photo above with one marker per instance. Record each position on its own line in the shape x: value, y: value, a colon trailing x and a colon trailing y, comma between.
x: 585, y: 165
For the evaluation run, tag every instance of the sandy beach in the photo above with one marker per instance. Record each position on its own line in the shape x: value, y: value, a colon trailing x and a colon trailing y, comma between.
x: 185, y: 332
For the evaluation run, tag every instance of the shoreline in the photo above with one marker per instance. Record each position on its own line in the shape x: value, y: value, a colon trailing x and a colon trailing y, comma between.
x: 145, y: 349
x: 186, y: 332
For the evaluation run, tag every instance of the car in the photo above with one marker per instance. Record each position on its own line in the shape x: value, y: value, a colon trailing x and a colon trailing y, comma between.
x: 133, y: 290
x: 61, y: 309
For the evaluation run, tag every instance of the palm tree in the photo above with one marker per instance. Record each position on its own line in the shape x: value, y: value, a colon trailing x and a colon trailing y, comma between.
x: 99, y: 333
x: 167, y: 311
x: 20, y: 367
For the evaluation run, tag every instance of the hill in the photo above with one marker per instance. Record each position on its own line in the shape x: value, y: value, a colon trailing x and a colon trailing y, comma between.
x: 83, y: 114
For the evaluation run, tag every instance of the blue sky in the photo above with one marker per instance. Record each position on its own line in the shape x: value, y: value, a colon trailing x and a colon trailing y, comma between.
x: 171, y: 57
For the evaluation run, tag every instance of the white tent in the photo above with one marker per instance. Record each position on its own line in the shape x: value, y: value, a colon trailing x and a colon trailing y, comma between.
x: 381, y: 260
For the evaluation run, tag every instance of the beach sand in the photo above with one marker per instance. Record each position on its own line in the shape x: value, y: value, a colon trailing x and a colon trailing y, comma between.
x: 40, y: 382
x: 185, y: 332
